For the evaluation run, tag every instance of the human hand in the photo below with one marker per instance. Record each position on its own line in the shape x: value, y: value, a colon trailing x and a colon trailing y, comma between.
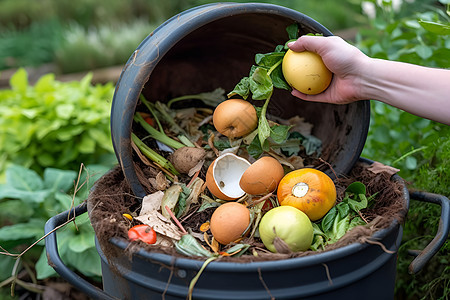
x: 345, y: 61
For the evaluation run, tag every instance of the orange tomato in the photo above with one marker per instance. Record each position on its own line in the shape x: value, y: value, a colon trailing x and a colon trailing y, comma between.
x: 309, y: 190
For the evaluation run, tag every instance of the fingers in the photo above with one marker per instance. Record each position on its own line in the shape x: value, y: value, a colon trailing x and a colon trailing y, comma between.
x: 312, y: 98
x: 317, y: 44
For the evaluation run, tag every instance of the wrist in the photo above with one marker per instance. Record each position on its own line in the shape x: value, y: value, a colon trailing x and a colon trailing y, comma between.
x: 369, y: 75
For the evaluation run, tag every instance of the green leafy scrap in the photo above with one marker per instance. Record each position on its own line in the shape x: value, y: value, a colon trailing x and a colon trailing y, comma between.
x: 181, y: 204
x: 279, y: 133
x: 261, y: 85
x: 292, y: 31
x: 342, y: 217
x: 277, y: 138
x: 262, y: 79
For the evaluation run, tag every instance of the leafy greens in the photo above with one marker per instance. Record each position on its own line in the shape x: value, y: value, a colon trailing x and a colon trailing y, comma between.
x: 263, y: 77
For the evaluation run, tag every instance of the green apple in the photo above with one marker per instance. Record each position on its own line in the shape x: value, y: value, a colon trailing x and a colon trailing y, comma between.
x: 288, y: 224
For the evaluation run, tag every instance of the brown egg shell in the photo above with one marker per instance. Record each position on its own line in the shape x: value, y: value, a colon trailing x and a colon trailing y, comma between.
x: 229, y: 221
x: 235, y: 118
x: 262, y: 177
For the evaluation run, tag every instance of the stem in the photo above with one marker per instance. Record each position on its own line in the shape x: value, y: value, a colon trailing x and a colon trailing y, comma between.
x: 186, y: 141
x: 187, y: 97
x: 32, y: 287
x: 144, y: 159
x: 146, y: 103
x: 262, y: 199
x: 274, y: 67
x: 175, y: 220
x: 157, y: 135
x: 175, y: 127
x: 153, y: 155
x: 408, y: 154
x: 195, y: 279
x: 263, y: 124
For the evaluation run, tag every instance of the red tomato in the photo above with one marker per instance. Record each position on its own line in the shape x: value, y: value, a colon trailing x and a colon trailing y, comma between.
x: 142, y: 232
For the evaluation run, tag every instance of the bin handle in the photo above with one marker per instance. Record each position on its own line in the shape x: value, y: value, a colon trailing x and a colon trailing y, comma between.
x: 442, y: 233
x: 55, y: 261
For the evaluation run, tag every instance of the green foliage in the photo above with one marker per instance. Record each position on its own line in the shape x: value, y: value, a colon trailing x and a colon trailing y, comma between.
x: 419, y: 147
x: 404, y: 39
x: 101, y: 46
x: 21, y: 13
x: 53, y: 123
x: 332, y: 14
x: 30, y: 46
x: 87, y: 34
x: 27, y: 201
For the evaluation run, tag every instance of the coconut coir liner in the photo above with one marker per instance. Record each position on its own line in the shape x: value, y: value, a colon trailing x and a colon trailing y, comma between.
x: 112, y: 196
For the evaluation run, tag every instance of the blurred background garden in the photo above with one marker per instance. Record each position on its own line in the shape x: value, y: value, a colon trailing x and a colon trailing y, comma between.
x: 59, y: 61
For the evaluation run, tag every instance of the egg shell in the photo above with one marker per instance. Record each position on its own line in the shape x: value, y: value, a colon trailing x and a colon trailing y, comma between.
x: 235, y: 118
x: 222, y: 177
x: 229, y: 221
x: 262, y: 177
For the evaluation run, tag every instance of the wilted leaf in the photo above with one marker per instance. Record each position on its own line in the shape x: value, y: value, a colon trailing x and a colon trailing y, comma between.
x: 160, y: 224
x: 160, y: 182
x: 205, y: 226
x: 242, y: 88
x: 151, y: 202
x: 281, y: 246
x: 268, y: 59
x: 296, y: 161
x: 378, y: 168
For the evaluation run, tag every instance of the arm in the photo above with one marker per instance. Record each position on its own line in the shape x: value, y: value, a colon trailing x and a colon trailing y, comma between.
x: 422, y: 91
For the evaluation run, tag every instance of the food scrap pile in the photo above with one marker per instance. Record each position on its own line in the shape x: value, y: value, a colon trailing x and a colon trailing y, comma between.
x: 225, y: 179
x: 213, y: 160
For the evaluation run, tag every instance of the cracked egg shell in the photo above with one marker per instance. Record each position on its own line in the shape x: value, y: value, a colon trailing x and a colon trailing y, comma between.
x: 222, y: 177
x: 262, y: 177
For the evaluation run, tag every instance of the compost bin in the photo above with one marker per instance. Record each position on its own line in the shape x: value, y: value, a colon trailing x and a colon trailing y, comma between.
x: 199, y: 50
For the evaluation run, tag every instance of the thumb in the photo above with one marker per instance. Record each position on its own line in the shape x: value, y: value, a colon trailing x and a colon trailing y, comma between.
x: 307, y: 43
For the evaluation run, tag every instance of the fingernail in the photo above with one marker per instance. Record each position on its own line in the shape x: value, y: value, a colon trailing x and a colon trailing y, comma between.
x: 290, y: 44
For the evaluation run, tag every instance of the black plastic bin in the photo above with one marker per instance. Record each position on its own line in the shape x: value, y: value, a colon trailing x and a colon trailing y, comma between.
x: 344, y: 273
